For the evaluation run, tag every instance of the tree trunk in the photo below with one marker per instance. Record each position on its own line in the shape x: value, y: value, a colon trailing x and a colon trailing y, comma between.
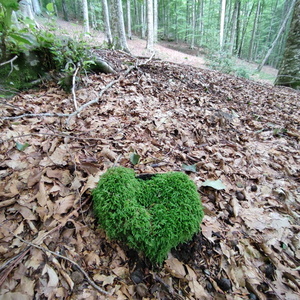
x: 233, y: 32
x: 193, y: 24
x: 244, y: 28
x: 107, y: 28
x: 128, y: 19
x: 26, y: 9
x: 64, y: 9
x: 155, y: 20
x: 254, y: 31
x: 117, y: 22
x: 36, y: 7
x: 283, y: 25
x: 222, y: 23
x: 150, y: 33
x: 289, y: 72
x: 143, y: 20
x: 86, y: 21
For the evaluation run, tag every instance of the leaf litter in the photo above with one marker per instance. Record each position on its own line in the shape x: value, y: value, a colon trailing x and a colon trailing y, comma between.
x: 237, y: 139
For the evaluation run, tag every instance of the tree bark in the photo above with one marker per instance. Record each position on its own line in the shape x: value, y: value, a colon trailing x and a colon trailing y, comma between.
x: 283, y: 25
x: 289, y: 72
x: 107, y: 27
x: 150, y: 31
x: 86, y: 21
x: 128, y: 19
x: 155, y: 20
x: 222, y: 23
x: 193, y: 24
x: 117, y: 22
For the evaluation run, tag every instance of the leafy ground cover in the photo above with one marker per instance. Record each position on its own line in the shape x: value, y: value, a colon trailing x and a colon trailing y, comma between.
x: 174, y: 117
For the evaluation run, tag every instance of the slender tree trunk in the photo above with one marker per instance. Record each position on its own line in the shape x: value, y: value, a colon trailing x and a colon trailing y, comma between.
x: 86, y: 21
x: 117, y: 21
x: 107, y: 28
x: 26, y: 9
x: 36, y: 7
x: 128, y: 19
x: 150, y: 31
x: 143, y: 20
x: 233, y: 32
x: 289, y: 72
x: 193, y: 24
x: 245, y: 25
x: 201, y: 21
x: 222, y: 23
x: 64, y: 10
x: 283, y: 25
x: 155, y: 20
x: 254, y: 31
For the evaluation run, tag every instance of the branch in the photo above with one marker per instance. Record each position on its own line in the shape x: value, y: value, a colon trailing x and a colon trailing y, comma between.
x: 9, y: 61
x: 11, y: 263
x: 45, y: 250
x: 108, y: 86
x: 11, y: 64
x: 96, y: 100
x: 73, y: 87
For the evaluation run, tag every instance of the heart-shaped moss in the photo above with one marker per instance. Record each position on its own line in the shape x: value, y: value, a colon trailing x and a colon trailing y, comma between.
x: 152, y: 215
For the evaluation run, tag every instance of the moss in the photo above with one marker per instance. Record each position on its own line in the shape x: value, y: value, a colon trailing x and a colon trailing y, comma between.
x: 151, y: 216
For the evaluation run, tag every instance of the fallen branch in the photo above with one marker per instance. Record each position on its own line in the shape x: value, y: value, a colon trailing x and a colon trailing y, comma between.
x: 108, y: 86
x: 11, y: 63
x: 9, y: 265
x: 96, y: 100
x: 45, y: 250
x: 73, y: 87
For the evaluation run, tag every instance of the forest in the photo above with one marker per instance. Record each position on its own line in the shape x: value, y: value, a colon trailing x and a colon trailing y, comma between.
x: 149, y: 149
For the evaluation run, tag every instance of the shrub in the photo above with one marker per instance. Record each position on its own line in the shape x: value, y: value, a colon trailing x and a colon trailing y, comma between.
x: 151, y: 216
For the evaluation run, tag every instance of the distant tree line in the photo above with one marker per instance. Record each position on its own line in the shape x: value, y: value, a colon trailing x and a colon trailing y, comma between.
x: 256, y: 30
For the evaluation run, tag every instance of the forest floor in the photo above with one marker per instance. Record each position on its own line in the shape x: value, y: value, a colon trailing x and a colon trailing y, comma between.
x: 176, y: 117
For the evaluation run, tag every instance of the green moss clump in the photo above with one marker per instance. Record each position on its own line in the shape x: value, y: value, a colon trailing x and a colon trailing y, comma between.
x: 151, y: 216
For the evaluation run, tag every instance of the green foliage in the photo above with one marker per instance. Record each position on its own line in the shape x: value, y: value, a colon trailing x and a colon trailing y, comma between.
x: 151, y: 216
x: 224, y: 62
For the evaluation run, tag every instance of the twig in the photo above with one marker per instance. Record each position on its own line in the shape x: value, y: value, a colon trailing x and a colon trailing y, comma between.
x: 9, y: 61
x: 11, y: 64
x: 11, y: 263
x: 53, y: 134
x: 96, y: 100
x: 73, y: 87
x: 90, y: 281
x: 7, y: 202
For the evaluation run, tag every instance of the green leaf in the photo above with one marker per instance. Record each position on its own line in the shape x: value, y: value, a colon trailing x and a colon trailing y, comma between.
x: 23, y: 38
x: 50, y: 7
x: 215, y: 184
x: 134, y: 158
x: 189, y: 168
x: 21, y: 147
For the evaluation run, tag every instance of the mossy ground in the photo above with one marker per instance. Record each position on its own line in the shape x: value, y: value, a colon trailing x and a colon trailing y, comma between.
x: 151, y: 216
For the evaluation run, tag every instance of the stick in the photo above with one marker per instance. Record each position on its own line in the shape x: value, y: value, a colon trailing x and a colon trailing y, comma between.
x: 73, y: 87
x: 90, y: 281
x: 11, y: 263
x: 96, y: 100
x: 9, y: 61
